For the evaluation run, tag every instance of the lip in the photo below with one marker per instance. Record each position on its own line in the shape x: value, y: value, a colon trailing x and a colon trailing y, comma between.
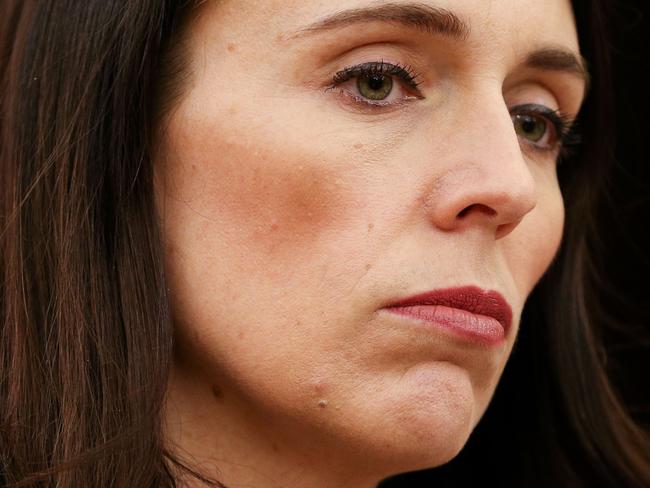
x: 468, y: 310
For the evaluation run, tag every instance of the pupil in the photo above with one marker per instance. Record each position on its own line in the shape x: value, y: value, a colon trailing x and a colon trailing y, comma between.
x: 375, y: 82
x: 528, y: 124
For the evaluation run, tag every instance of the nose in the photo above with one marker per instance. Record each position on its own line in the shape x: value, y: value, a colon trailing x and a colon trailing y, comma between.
x: 486, y: 180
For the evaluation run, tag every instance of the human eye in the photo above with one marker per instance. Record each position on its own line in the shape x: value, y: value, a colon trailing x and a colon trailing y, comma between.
x: 544, y: 130
x: 376, y: 85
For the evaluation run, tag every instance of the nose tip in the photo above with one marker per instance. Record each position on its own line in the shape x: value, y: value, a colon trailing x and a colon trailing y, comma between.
x: 487, y: 183
x: 502, y: 212
x: 487, y: 179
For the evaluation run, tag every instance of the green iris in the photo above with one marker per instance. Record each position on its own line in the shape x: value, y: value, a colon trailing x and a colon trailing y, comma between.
x: 530, y: 127
x: 375, y: 86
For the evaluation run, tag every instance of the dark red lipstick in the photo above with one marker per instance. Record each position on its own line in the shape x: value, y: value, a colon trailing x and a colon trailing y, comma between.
x: 469, y: 311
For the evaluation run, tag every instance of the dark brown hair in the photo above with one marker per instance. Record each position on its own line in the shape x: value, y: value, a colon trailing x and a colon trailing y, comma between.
x: 85, y: 329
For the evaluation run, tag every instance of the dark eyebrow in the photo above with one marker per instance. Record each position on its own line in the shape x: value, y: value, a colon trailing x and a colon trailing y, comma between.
x: 560, y: 59
x: 435, y: 20
x: 415, y: 15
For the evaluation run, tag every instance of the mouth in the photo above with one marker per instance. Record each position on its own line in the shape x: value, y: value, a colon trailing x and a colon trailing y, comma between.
x: 469, y: 311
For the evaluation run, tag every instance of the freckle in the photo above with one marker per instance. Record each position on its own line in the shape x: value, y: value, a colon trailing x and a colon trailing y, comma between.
x: 368, y: 266
x: 275, y: 447
x: 194, y: 167
x: 232, y: 47
x: 370, y: 227
x: 358, y: 145
x: 216, y: 392
x: 241, y: 335
x: 322, y: 403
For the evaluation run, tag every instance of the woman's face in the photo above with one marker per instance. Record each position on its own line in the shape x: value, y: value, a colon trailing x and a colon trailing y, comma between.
x: 300, y: 195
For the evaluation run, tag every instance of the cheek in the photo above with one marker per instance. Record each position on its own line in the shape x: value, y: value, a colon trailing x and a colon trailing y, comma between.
x: 253, y: 213
x: 269, y: 200
x: 537, y: 239
x: 244, y: 219
x: 255, y: 216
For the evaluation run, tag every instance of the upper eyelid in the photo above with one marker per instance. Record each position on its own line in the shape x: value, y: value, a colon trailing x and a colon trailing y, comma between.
x: 434, y: 70
x: 553, y: 67
x: 380, y: 66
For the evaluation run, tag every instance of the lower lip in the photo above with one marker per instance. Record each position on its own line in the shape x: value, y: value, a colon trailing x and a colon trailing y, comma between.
x: 475, y: 328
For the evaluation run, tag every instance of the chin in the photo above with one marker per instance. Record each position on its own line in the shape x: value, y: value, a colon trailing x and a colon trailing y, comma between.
x: 403, y: 456
x: 433, y: 418
x: 428, y: 451
x: 419, y: 438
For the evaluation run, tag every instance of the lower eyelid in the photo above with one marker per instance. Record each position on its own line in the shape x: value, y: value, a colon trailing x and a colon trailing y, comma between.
x: 357, y: 100
x: 352, y: 104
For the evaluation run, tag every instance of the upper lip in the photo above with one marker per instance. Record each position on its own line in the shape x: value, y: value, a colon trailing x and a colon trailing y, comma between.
x: 471, y: 298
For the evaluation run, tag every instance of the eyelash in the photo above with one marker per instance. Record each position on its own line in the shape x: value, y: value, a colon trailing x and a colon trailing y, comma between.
x: 563, y: 125
x: 405, y: 73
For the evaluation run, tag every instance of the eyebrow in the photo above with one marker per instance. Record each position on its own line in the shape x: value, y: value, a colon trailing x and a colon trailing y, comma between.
x: 426, y: 18
x: 440, y: 21
x: 560, y: 59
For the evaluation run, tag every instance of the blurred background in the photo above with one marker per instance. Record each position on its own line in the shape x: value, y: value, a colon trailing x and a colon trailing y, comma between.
x: 626, y: 216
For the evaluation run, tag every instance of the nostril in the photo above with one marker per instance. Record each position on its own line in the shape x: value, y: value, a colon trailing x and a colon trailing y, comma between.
x: 478, y: 207
x: 505, y: 229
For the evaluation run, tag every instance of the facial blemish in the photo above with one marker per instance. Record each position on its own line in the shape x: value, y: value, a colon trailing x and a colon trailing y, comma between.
x: 322, y: 403
x: 232, y: 47
x: 217, y: 392
x: 320, y: 386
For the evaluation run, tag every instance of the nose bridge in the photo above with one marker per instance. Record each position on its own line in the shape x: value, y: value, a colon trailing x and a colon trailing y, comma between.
x: 487, y: 180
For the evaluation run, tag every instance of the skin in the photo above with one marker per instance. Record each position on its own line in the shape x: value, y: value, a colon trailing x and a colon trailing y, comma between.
x: 292, y: 215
